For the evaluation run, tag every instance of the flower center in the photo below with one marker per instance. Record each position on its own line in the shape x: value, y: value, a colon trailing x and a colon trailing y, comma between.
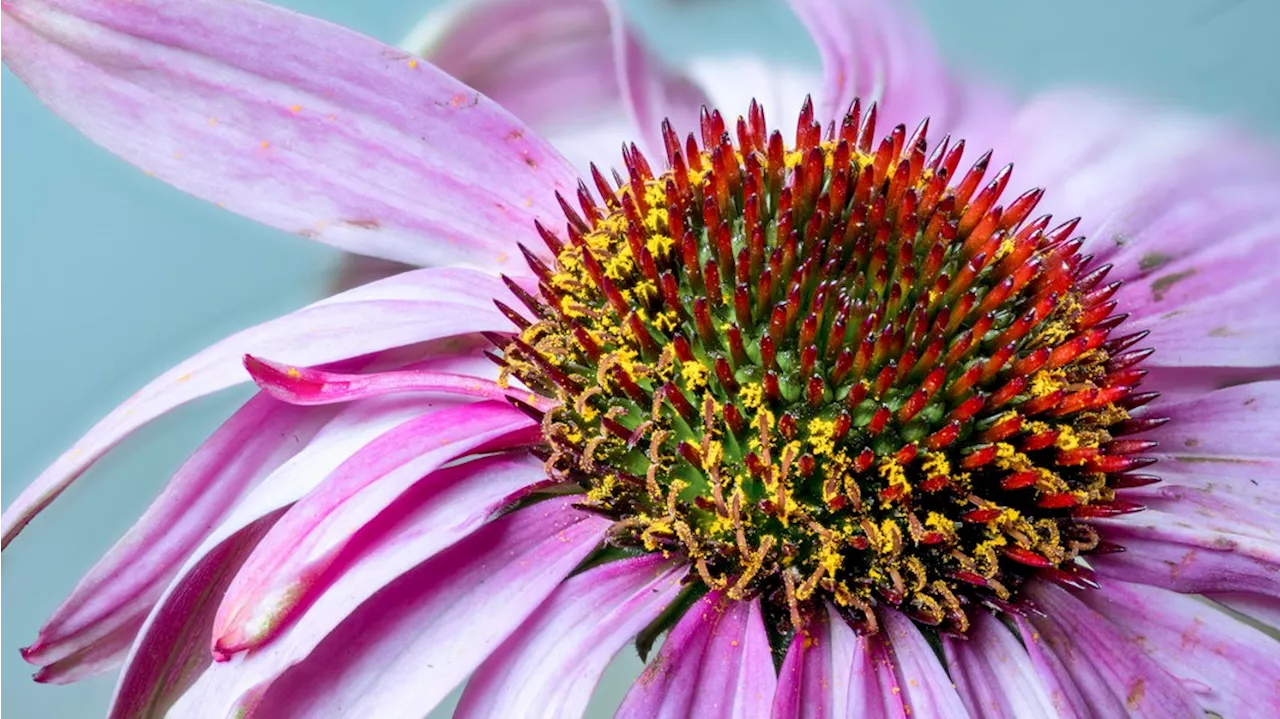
x: 831, y: 373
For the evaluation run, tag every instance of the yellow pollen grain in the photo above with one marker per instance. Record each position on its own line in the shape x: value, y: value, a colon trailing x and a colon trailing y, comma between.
x: 694, y: 375
x: 752, y: 395
x: 295, y: 109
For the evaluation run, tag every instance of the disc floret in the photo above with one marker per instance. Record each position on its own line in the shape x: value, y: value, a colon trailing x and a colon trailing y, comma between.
x: 836, y: 371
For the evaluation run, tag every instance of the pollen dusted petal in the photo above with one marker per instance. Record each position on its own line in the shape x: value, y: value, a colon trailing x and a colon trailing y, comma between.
x: 1097, y: 671
x: 926, y: 689
x: 296, y: 558
x: 436, y: 513
x: 413, y: 307
x: 828, y: 672
x: 554, y: 660
x: 113, y: 598
x: 1228, y: 666
x: 402, y: 651
x: 715, y: 662
x: 993, y: 674
x: 292, y: 121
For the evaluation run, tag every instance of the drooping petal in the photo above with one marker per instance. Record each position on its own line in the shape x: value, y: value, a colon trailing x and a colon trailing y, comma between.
x: 355, y: 426
x: 121, y: 588
x: 1230, y: 667
x: 402, y: 651
x: 310, y: 386
x: 433, y: 515
x: 925, y: 687
x: 878, y: 50
x: 410, y: 308
x: 1097, y: 671
x: 715, y: 662
x: 571, y: 69
x: 171, y: 649
x: 554, y: 660
x: 101, y: 654
x: 294, y: 122
x: 993, y: 674
x: 294, y: 561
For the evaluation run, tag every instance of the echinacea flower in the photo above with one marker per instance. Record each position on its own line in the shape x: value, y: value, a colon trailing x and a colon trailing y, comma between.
x: 845, y: 420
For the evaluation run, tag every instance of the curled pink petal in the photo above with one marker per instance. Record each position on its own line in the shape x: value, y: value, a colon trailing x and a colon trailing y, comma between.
x: 715, y: 662
x: 293, y: 561
x: 406, y: 309
x: 170, y: 651
x: 554, y: 660
x: 404, y: 649
x: 294, y: 122
x: 1097, y: 671
x: 310, y: 386
x: 120, y: 589
x: 429, y: 518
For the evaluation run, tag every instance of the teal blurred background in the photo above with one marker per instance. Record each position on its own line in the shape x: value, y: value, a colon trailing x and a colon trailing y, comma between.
x: 113, y: 277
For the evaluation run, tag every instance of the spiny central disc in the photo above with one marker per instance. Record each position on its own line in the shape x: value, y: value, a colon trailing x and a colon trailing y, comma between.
x: 832, y: 374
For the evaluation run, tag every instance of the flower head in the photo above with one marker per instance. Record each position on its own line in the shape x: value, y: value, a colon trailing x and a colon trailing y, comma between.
x: 837, y: 413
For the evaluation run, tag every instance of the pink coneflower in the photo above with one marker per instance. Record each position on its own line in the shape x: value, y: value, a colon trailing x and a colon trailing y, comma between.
x: 827, y: 420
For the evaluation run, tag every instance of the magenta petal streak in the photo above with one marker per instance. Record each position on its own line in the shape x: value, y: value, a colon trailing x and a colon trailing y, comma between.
x: 402, y: 651
x: 294, y: 559
x: 715, y: 662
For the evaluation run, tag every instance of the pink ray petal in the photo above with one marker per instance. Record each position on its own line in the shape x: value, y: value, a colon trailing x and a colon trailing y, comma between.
x: 170, y: 651
x: 310, y: 386
x: 294, y: 122
x: 1097, y: 671
x: 926, y: 688
x: 716, y: 661
x: 1256, y: 606
x: 294, y: 561
x: 878, y: 50
x: 433, y: 515
x: 410, y: 308
x: 1229, y: 666
x: 831, y: 672
x: 993, y: 674
x: 554, y: 660
x: 403, y: 650
x: 120, y: 589
x: 572, y: 69
x: 101, y: 654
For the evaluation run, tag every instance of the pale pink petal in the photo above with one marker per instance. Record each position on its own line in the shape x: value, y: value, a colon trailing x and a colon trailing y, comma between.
x: 310, y: 386
x: 993, y: 674
x: 102, y: 654
x: 402, y: 651
x: 121, y: 588
x: 296, y: 558
x: 433, y: 515
x: 878, y: 50
x: 554, y: 660
x: 733, y: 81
x: 1263, y: 609
x: 1230, y: 667
x: 651, y: 92
x: 410, y: 308
x: 1181, y: 206
x: 171, y: 649
x: 1214, y: 525
x: 1096, y: 670
x: 553, y: 64
x: 830, y: 672
x: 715, y: 662
x: 926, y: 689
x: 294, y: 122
